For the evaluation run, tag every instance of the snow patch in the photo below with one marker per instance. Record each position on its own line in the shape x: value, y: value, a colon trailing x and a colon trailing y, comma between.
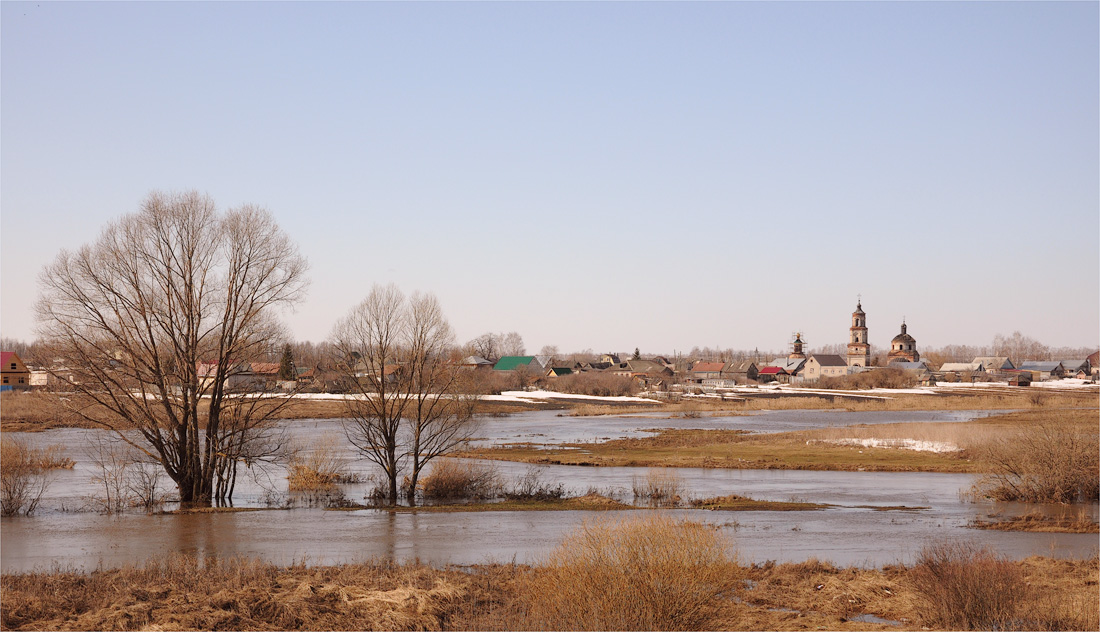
x: 901, y: 444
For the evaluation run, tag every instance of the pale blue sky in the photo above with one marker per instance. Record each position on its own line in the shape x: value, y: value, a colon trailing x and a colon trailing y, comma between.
x: 591, y: 175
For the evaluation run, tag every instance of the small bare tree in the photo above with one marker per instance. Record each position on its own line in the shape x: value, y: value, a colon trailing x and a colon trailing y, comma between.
x: 404, y: 408
x: 157, y: 322
x: 24, y: 477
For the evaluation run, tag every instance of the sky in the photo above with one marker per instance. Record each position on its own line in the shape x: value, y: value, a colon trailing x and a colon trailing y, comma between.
x: 596, y: 176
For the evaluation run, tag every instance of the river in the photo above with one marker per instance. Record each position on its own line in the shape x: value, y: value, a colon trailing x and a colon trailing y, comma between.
x: 63, y: 532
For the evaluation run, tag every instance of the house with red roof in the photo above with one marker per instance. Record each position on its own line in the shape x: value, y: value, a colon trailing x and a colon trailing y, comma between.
x: 773, y: 374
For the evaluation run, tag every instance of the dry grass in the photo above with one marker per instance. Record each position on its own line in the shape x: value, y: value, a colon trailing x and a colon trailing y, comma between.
x: 33, y: 411
x: 650, y: 574
x: 186, y: 593
x: 1041, y: 523
x: 596, y: 384
x: 966, y: 587
x: 25, y: 474
x: 659, y: 488
x: 822, y: 449
x: 181, y: 593
x: 318, y: 467
x: 733, y: 502
x: 1047, y: 463
x: 451, y: 479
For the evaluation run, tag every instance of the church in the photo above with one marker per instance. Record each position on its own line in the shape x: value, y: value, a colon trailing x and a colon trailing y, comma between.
x: 903, y: 348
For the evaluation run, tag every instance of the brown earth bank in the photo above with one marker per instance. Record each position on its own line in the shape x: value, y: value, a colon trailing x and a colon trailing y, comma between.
x: 187, y: 593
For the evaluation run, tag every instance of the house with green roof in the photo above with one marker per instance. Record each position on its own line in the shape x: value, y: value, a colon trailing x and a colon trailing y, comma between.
x: 511, y: 363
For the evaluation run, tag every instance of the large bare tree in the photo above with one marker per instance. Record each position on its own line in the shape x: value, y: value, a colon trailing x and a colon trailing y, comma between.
x: 404, y: 408
x: 159, y: 317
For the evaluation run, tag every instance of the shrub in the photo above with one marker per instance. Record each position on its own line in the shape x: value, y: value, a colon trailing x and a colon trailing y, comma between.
x: 533, y: 486
x: 452, y: 479
x: 878, y: 378
x: 659, y: 487
x: 967, y: 587
x: 1041, y: 464
x: 651, y: 574
x: 24, y: 474
x: 318, y: 467
x: 594, y: 384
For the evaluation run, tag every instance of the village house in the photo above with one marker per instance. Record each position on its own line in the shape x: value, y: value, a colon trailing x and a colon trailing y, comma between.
x: 1078, y: 368
x: 476, y: 363
x: 995, y: 364
x: 15, y: 374
x: 1043, y: 371
x: 741, y: 371
x: 535, y: 364
x: 824, y: 365
x: 961, y: 371
x: 706, y: 371
x: 773, y: 374
x: 558, y: 371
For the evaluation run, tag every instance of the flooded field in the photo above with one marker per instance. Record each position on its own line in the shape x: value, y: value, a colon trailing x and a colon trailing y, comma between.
x: 858, y: 530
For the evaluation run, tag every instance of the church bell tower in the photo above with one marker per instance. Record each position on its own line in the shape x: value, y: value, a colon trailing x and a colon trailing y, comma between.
x: 859, y: 350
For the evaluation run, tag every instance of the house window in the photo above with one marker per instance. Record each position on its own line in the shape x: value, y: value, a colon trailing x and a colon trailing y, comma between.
x: 5, y: 380
x: 12, y: 366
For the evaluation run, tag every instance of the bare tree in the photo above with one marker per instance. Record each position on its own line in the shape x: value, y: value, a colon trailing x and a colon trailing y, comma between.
x: 1019, y: 347
x: 404, y: 409
x: 441, y: 418
x: 159, y: 317
x: 511, y: 344
x: 486, y: 346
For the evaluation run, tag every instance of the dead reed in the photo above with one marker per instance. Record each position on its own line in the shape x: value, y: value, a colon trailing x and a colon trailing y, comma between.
x: 659, y: 487
x: 655, y: 573
x: 1047, y: 463
x: 318, y: 467
x: 966, y: 587
x: 25, y: 474
x: 451, y: 479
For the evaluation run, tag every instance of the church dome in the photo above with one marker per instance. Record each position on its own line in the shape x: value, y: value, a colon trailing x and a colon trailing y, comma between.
x: 903, y: 348
x: 903, y: 338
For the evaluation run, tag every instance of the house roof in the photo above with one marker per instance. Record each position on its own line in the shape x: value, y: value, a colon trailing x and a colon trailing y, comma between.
x: 1094, y: 358
x: 647, y: 366
x: 476, y: 360
x: 511, y: 363
x: 714, y: 367
x: 1039, y: 366
x: 790, y: 365
x: 6, y: 356
x: 772, y: 370
x: 829, y: 359
x: 962, y: 366
x: 909, y: 366
x: 560, y: 370
x: 265, y: 368
x: 995, y: 363
x: 1073, y: 365
x: 742, y: 367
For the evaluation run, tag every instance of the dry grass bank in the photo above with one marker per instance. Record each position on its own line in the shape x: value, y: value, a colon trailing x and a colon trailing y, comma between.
x: 730, y: 449
x: 1040, y: 523
x: 993, y: 398
x: 846, y: 448
x: 654, y: 574
x: 33, y: 411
